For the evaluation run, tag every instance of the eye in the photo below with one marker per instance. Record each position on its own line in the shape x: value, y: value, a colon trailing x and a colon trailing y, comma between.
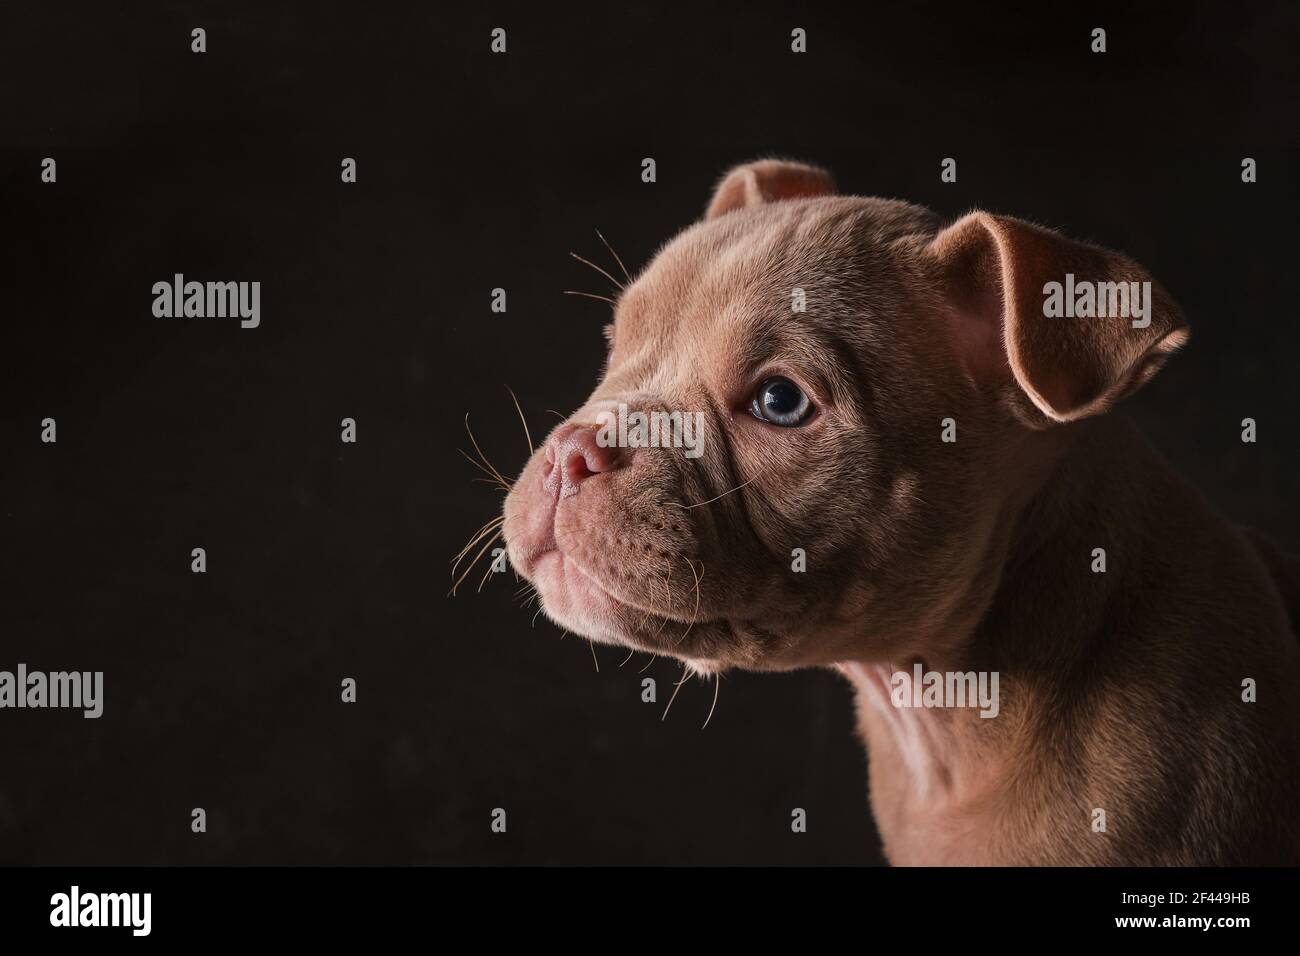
x: 781, y: 402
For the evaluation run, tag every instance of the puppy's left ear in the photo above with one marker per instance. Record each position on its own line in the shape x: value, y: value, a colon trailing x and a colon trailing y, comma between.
x: 768, y: 180
x: 1007, y: 281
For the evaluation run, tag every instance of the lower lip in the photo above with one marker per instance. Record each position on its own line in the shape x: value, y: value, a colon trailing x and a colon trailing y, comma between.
x: 576, y: 580
x: 552, y: 555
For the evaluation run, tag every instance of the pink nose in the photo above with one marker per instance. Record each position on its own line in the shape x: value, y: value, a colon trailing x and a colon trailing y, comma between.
x: 572, y: 456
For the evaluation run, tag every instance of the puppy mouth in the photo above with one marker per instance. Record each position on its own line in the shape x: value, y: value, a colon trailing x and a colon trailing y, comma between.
x: 556, y: 574
x: 528, y: 561
x: 578, y: 599
x: 558, y: 567
x: 592, y: 579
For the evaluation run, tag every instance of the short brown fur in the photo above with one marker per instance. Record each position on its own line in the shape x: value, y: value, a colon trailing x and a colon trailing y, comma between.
x: 1120, y: 691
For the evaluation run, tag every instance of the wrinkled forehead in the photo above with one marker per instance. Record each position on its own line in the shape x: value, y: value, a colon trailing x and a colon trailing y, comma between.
x: 786, y: 279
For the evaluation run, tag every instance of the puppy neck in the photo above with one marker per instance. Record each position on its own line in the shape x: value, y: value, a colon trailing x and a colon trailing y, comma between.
x: 943, y: 750
x: 1022, y: 633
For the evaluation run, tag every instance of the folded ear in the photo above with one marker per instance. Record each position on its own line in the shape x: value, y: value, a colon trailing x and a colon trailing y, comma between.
x: 768, y: 180
x: 1076, y: 326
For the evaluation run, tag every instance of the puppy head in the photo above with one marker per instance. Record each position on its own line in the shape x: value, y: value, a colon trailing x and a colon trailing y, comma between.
x: 761, y: 477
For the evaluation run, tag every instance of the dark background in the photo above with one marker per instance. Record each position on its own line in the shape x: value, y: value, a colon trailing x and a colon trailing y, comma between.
x: 327, y: 561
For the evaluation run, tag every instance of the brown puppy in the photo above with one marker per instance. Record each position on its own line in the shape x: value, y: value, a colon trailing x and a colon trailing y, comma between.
x: 914, y: 468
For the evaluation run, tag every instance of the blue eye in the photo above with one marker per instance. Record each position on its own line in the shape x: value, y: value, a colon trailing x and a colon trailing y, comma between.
x: 781, y: 402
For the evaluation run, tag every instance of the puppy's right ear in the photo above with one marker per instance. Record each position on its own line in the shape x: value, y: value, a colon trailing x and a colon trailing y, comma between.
x: 997, y: 272
x: 768, y: 180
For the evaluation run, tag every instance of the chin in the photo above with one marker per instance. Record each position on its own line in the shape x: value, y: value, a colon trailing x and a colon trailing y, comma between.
x: 577, y: 602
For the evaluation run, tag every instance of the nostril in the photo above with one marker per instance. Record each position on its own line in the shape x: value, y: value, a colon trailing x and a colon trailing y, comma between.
x: 577, y: 469
x: 573, y: 455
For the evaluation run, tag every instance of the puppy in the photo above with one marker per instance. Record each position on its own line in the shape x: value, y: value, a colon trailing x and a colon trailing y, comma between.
x: 905, y: 461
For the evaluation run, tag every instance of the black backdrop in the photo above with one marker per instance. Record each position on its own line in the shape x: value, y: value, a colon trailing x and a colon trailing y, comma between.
x: 476, y: 171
